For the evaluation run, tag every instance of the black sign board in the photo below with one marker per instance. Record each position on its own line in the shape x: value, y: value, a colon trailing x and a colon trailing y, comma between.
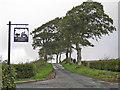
x: 21, y: 34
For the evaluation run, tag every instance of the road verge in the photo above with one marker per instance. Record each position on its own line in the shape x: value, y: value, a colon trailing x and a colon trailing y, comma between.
x: 51, y: 75
x: 103, y: 75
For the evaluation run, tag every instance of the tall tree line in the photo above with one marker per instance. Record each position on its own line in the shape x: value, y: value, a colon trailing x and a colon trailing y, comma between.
x: 60, y: 35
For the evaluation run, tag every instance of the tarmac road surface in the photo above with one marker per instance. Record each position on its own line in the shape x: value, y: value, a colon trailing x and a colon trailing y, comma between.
x: 67, y: 79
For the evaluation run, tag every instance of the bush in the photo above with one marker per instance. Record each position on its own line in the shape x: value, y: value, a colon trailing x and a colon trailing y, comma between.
x: 0, y: 75
x: 38, y: 63
x: 28, y: 70
x: 68, y: 61
x: 8, y: 76
x: 84, y: 63
x: 111, y: 65
x: 25, y: 70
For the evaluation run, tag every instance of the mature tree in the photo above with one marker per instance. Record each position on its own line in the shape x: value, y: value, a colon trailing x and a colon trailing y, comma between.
x: 85, y: 21
x: 72, y: 35
x: 59, y: 46
x: 65, y: 28
x: 81, y: 23
x: 43, y: 37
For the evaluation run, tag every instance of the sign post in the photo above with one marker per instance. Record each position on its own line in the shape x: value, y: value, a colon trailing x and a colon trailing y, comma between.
x: 9, y: 39
x: 9, y: 42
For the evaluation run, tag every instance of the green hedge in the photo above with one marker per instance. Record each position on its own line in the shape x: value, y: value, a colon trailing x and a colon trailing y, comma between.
x: 38, y: 63
x: 0, y: 75
x: 110, y: 65
x: 28, y: 70
x: 85, y: 63
x: 25, y: 70
x: 10, y: 72
x: 8, y: 76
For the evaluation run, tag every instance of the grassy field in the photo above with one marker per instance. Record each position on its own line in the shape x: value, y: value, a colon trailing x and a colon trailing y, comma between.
x: 96, y: 74
x: 41, y: 74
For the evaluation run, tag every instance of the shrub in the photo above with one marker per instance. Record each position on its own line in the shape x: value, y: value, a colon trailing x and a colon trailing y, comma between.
x: 68, y: 60
x: 8, y: 76
x: 84, y: 63
x: 111, y: 65
x: 38, y: 63
x: 28, y: 70
x: 25, y: 70
x: 0, y: 75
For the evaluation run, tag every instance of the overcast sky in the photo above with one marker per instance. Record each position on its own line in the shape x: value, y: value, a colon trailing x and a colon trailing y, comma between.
x: 37, y: 12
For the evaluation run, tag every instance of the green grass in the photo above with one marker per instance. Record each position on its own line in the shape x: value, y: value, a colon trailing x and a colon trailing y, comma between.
x: 41, y: 74
x: 0, y: 72
x: 96, y: 74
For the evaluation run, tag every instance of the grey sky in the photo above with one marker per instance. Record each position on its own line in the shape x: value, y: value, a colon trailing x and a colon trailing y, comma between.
x: 37, y: 12
x: 119, y: 29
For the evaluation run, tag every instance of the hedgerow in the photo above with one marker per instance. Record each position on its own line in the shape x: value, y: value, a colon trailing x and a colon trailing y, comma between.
x: 28, y: 70
x: 8, y: 76
x: 25, y: 70
x: 110, y: 65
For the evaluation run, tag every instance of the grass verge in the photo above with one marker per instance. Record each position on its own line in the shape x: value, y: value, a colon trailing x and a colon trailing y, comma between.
x: 41, y: 74
x: 94, y: 73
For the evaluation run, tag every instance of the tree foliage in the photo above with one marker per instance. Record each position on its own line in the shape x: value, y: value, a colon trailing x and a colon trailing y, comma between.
x: 81, y: 23
x: 46, y: 37
x: 90, y: 19
x: 85, y: 21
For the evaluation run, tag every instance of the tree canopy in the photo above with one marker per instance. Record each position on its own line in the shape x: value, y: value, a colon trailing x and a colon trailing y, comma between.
x: 85, y: 21
x: 81, y: 23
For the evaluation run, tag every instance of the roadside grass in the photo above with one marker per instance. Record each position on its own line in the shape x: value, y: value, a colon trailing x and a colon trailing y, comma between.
x: 41, y: 74
x: 0, y: 68
x: 104, y: 75
x: 0, y: 72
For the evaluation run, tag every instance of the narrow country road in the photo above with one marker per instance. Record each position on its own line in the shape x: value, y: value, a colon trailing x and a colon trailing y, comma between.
x: 67, y: 79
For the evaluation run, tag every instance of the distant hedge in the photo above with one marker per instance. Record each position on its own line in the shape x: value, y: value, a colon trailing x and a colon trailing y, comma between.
x: 110, y: 65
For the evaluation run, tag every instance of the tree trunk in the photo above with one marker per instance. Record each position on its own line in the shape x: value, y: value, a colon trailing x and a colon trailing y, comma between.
x: 70, y: 55
x: 67, y: 56
x: 45, y: 56
x: 60, y: 58
x: 56, y: 58
x: 78, y: 54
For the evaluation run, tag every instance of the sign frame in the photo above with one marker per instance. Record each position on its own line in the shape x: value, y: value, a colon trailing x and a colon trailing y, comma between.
x: 9, y: 38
